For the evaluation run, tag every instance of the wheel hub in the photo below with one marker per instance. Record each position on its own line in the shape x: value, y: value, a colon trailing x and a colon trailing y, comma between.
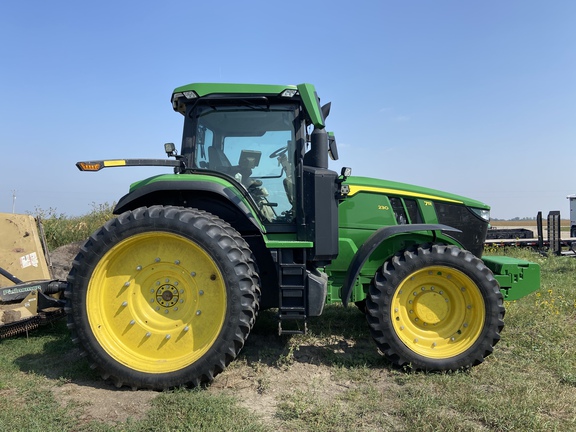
x: 167, y: 295
x: 431, y: 307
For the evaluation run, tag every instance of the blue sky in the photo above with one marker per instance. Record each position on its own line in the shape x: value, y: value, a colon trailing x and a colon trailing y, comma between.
x: 476, y: 98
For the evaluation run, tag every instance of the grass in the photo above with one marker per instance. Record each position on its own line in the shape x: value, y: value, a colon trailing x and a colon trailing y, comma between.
x: 331, y: 379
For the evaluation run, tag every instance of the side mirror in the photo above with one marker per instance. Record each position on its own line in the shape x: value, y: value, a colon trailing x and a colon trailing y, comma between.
x: 326, y: 109
x: 332, y: 148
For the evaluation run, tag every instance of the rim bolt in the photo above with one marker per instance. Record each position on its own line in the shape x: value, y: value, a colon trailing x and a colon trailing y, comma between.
x: 175, y: 309
x: 416, y: 340
x: 168, y: 336
x: 151, y: 300
x: 176, y: 283
x: 400, y: 292
x: 181, y: 291
x: 157, y: 283
x: 127, y: 284
x: 193, y: 274
x: 462, y: 289
x: 139, y: 268
x: 401, y: 327
x: 177, y: 262
x: 157, y: 260
x: 395, y: 309
x: 181, y: 301
x: 423, y: 288
x: 410, y: 301
x: 432, y: 288
x: 411, y: 311
x: 198, y: 312
x: 452, y: 338
x: 416, y: 319
x: 151, y: 290
x: 166, y: 280
x: 441, y: 292
x: 433, y: 344
x: 186, y: 328
x: 415, y: 293
x: 166, y: 311
x: 465, y: 325
x: 125, y: 303
x: 157, y: 308
x: 132, y: 322
x: 148, y: 334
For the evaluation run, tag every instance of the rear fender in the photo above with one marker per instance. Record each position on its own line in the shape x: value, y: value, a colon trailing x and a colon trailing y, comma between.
x: 373, y: 242
x: 223, y: 200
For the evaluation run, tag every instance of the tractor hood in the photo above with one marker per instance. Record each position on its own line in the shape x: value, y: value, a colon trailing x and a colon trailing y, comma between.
x: 367, y: 184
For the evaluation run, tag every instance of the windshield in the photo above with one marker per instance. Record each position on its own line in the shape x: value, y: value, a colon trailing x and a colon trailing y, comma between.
x: 255, y: 146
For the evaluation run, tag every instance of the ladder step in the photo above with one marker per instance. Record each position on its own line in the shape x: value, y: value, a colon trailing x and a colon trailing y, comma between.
x: 282, y: 331
x: 292, y: 292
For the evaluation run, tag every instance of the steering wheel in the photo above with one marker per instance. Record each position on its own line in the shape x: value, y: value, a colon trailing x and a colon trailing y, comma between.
x: 279, y: 152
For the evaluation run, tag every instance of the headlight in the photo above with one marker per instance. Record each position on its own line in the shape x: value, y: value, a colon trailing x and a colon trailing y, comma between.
x: 481, y: 213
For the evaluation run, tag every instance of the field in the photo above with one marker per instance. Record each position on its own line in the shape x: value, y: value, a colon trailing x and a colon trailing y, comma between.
x: 332, y: 379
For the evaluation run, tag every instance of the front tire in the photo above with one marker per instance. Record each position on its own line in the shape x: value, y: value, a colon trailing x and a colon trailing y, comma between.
x: 161, y: 297
x: 435, y: 308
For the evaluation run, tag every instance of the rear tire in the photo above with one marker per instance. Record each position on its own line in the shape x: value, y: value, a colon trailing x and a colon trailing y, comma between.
x: 435, y: 308
x: 161, y: 297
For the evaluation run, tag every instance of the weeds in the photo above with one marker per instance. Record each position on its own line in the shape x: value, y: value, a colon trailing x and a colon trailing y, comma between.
x: 61, y: 229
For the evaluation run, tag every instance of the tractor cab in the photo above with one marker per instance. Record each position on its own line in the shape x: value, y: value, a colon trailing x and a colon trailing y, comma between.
x: 270, y: 141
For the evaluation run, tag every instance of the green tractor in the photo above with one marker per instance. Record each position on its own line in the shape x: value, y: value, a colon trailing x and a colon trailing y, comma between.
x: 252, y: 218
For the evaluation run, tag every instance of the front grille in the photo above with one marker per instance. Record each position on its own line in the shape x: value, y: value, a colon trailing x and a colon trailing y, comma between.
x: 473, y: 228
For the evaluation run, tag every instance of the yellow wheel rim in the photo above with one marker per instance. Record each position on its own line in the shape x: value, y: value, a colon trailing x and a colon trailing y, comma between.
x: 156, y: 302
x: 438, y: 312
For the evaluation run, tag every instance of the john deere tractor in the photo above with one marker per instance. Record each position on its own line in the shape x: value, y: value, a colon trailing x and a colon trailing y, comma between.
x: 252, y: 218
